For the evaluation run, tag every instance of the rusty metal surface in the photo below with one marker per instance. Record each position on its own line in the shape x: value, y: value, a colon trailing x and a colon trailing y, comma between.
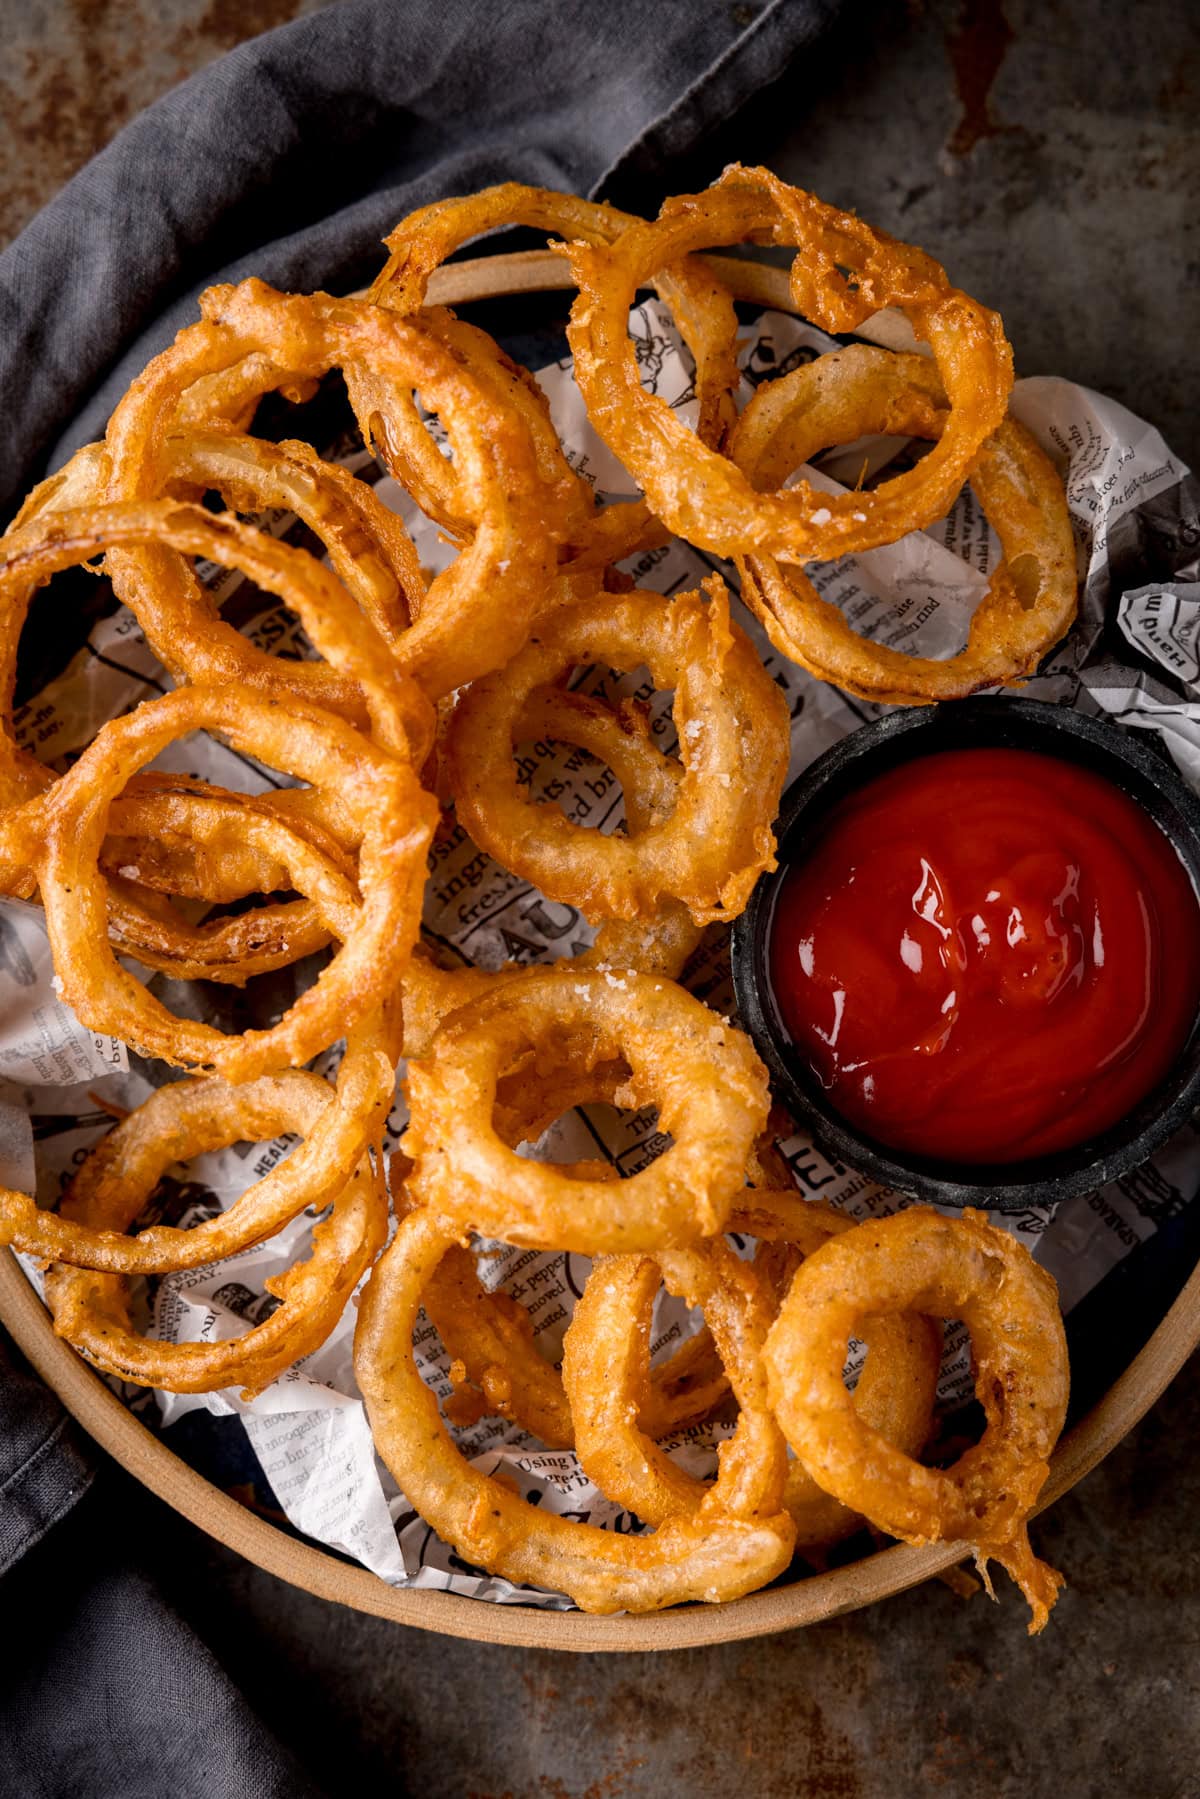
x: 74, y: 71
x: 1049, y: 152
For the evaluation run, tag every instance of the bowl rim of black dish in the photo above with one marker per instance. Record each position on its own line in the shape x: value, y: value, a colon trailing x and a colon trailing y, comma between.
x: 1139, y: 770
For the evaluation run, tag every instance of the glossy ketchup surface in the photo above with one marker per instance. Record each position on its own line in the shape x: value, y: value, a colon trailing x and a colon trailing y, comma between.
x: 987, y: 955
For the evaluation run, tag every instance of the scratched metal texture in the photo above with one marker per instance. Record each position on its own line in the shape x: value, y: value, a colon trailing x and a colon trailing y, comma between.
x: 1049, y: 153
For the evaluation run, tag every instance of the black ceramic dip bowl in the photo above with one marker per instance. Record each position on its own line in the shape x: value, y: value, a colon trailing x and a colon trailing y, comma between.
x: 1138, y: 770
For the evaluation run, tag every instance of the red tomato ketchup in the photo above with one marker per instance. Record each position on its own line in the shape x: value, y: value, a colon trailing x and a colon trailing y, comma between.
x: 987, y: 955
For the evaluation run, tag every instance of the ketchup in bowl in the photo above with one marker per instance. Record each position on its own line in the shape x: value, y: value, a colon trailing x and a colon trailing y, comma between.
x: 986, y: 955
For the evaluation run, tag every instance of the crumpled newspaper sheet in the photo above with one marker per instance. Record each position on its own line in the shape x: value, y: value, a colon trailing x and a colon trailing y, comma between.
x: 1136, y: 514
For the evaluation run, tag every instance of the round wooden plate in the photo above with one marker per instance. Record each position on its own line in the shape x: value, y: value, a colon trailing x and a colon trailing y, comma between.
x: 800, y: 1602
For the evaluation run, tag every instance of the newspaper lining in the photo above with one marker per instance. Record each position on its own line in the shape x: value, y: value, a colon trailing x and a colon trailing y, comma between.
x: 308, y: 1429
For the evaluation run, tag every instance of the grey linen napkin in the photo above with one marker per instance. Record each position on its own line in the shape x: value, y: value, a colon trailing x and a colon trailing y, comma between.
x: 289, y: 159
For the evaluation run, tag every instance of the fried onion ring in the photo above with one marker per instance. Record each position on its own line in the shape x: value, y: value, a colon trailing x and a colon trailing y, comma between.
x: 964, y: 1267
x: 473, y: 616
x: 897, y: 1384
x: 421, y: 242
x: 363, y: 684
x: 91, y: 1309
x: 659, y: 945
x: 369, y: 548
x: 708, y: 1084
x: 588, y: 536
x: 197, y: 841
x: 61, y: 835
x: 492, y: 1335
x: 621, y: 738
x: 733, y: 732
x: 606, y: 1356
x: 194, y: 840
x: 1031, y: 600
x: 844, y: 272
x: 720, y: 1557
x: 202, y: 1115
x: 605, y: 1377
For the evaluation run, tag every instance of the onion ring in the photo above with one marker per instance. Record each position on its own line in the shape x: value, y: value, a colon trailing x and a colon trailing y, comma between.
x: 492, y: 1336
x: 228, y: 398
x: 720, y: 1557
x: 207, y: 1114
x: 61, y: 835
x: 91, y: 1309
x: 587, y: 535
x: 474, y: 615
x: 188, y: 838
x: 696, y: 490
x: 363, y: 683
x: 605, y: 1377
x: 621, y: 738
x: 733, y: 731
x: 484, y: 1330
x: 606, y: 1356
x: 964, y: 1267
x: 650, y: 779
x: 709, y: 1086
x: 175, y: 835
x: 221, y: 846
x: 369, y: 548
x: 897, y: 1384
x: 230, y: 870
x: 1031, y: 600
x: 701, y: 306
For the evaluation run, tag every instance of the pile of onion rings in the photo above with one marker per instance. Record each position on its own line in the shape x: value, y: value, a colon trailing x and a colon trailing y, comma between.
x: 412, y: 698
